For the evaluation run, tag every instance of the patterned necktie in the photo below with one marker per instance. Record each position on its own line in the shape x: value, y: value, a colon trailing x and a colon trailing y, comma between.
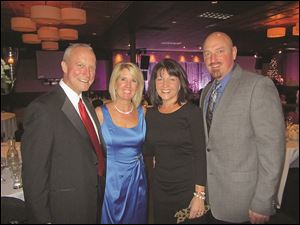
x: 93, y: 136
x: 212, y: 103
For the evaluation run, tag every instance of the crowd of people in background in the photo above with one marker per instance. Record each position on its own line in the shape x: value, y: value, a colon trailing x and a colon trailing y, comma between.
x: 225, y: 152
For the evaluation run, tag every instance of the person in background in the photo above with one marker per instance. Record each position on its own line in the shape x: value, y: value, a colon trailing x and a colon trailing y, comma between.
x: 105, y: 97
x: 282, y: 99
x: 245, y: 137
x: 96, y: 100
x: 62, y: 168
x: 123, y: 128
x: 175, y: 137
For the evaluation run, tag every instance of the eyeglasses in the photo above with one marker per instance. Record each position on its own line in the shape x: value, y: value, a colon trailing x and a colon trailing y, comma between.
x: 218, y: 52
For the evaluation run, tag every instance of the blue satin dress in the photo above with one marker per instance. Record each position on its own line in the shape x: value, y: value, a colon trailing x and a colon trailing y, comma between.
x: 125, y: 197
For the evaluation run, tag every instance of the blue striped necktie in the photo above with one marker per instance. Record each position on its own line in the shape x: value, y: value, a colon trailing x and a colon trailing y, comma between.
x: 212, y: 103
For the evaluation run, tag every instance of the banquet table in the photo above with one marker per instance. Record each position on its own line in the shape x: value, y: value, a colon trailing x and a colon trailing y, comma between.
x: 7, y: 185
x: 8, y: 125
x: 291, y: 158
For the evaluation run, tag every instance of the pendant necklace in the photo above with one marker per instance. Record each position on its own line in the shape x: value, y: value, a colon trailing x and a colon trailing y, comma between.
x: 122, y: 112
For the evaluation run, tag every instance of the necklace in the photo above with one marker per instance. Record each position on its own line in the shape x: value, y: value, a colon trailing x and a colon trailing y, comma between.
x: 125, y: 113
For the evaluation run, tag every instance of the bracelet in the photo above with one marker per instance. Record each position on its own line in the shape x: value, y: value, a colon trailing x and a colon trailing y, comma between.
x: 200, y: 195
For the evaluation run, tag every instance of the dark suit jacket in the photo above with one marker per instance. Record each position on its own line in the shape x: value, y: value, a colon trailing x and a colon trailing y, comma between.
x: 59, y: 163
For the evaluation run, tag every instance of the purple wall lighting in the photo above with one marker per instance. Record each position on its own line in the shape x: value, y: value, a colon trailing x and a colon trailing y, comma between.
x: 102, y: 74
x: 28, y: 80
x: 291, y: 69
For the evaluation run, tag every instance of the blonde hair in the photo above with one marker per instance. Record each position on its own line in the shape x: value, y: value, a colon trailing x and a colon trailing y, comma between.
x: 136, y: 73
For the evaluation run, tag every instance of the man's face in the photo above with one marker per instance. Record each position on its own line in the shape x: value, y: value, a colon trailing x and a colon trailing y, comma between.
x: 219, y: 56
x: 79, y: 69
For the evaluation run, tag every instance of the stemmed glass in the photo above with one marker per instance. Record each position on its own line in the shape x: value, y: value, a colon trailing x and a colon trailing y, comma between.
x: 3, y: 165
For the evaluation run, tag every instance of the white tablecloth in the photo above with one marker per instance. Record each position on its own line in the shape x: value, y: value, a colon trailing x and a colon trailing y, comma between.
x: 7, y: 186
x: 291, y: 155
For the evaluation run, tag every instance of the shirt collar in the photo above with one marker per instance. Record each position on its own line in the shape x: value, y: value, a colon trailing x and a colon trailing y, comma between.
x: 227, y: 78
x: 72, y: 95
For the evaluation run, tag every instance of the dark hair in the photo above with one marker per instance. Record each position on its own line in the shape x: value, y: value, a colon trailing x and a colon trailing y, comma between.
x: 174, y: 69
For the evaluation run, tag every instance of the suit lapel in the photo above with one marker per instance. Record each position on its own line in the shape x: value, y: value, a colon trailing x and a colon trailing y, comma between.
x: 74, y: 118
x: 204, y: 93
x: 228, y: 94
x: 202, y: 105
x: 95, y: 118
x: 91, y: 111
x: 72, y: 115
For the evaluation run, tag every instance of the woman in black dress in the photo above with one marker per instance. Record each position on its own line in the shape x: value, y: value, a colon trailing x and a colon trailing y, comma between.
x: 175, y: 137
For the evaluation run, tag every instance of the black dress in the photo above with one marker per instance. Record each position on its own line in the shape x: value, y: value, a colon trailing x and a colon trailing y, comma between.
x: 178, y: 143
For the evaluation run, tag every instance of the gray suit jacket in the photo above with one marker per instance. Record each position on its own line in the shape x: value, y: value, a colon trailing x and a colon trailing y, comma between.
x: 245, y: 147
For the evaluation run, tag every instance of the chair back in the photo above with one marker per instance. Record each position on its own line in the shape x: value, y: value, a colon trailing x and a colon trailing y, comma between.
x: 13, y: 211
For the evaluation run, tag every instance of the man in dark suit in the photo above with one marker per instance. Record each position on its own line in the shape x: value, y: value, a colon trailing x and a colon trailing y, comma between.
x: 60, y: 165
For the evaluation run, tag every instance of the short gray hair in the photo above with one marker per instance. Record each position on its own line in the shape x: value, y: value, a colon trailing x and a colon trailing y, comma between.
x: 73, y: 46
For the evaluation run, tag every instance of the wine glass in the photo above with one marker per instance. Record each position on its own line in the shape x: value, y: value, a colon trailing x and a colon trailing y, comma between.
x: 16, y: 175
x: 3, y: 165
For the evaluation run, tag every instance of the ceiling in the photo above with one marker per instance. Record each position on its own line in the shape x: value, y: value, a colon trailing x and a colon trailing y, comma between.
x: 168, y: 25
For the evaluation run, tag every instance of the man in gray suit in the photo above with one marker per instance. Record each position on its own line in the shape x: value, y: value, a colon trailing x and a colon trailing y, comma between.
x: 62, y: 182
x: 244, y: 135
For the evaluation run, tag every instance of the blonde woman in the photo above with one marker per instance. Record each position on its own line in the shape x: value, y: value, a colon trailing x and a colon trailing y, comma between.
x: 123, y: 127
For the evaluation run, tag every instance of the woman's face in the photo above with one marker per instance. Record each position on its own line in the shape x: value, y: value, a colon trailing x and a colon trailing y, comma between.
x: 126, y: 85
x: 167, y: 86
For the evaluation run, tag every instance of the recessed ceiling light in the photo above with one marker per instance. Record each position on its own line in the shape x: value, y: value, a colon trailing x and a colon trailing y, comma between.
x: 174, y: 21
x: 94, y: 33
